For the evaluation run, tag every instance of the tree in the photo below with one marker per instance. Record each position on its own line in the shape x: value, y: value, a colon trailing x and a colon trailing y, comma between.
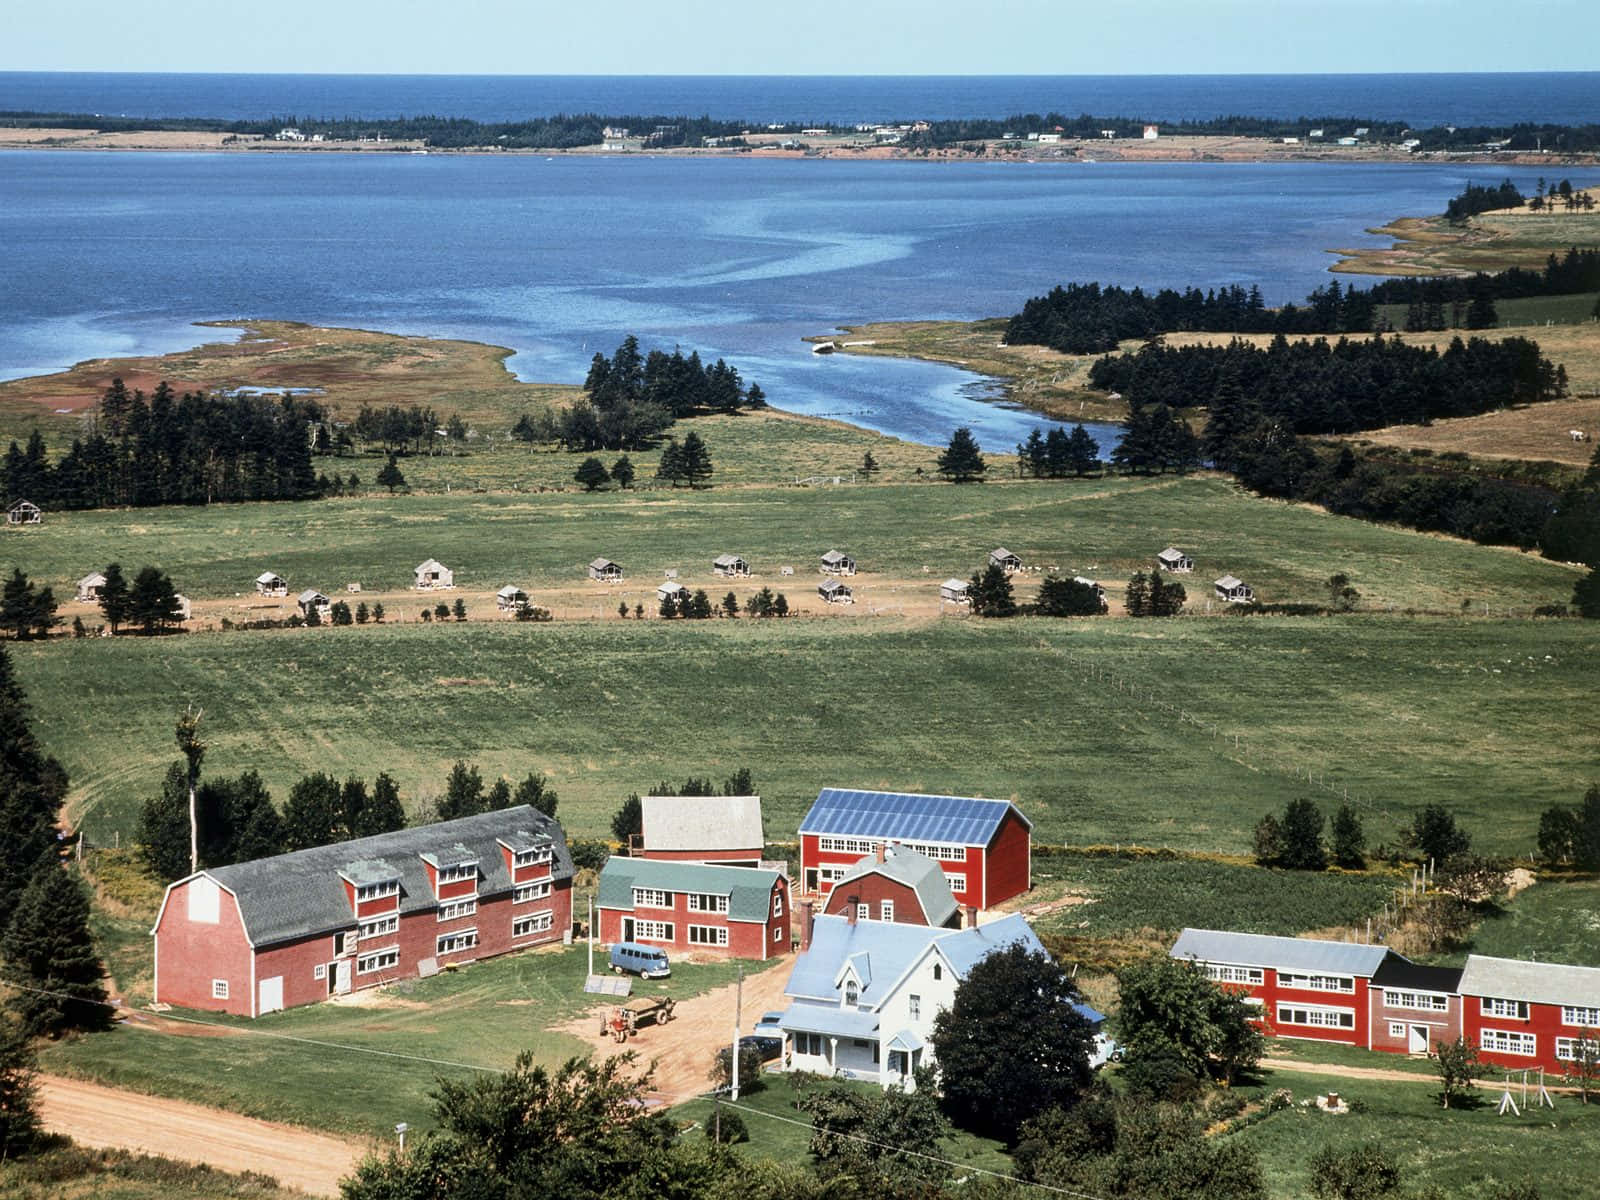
x: 1011, y: 1045
x: 1433, y: 834
x: 463, y: 793
x: 1302, y: 837
x: 26, y: 611
x: 869, y: 466
x: 1341, y: 596
x: 390, y: 476
x: 164, y: 826
x: 1363, y: 1172
x: 1558, y: 835
x: 32, y: 788
x: 1082, y: 453
x: 314, y: 813
x: 193, y: 749
x: 377, y: 611
x: 628, y: 822
x: 700, y: 605
x: 383, y: 812
x: 669, y: 606
x: 1068, y: 598
x: 1267, y: 841
x: 885, y: 1142
x: 962, y: 460
x: 1458, y: 1066
x: 1163, y: 599
x: 1349, y: 842
x: 754, y: 397
x: 730, y: 605
x: 362, y: 615
x: 622, y: 471
x: 750, y: 1062
x: 1137, y: 599
x: 459, y: 609
x: 990, y: 593
x: 114, y: 597
x: 153, y: 601
x: 536, y: 792
x: 441, y: 611
x: 1586, y: 595
x: 592, y: 474
x: 780, y: 605
x: 670, y: 465
x: 49, y: 955
x: 695, y: 461
x: 19, y: 1103
x: 1171, y: 1009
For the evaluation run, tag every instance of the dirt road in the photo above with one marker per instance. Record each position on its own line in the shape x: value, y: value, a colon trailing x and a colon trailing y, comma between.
x: 683, y: 1048
x: 1316, y: 1068
x: 98, y: 1116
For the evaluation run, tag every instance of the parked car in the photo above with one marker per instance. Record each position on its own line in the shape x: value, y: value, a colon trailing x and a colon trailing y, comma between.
x: 770, y: 1025
x: 770, y: 1047
x: 648, y: 962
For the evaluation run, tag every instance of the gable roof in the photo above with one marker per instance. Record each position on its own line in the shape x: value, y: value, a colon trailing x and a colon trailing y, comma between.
x: 1535, y: 982
x: 833, y: 556
x: 269, y: 577
x: 749, y: 889
x: 510, y: 590
x: 600, y: 564
x: 916, y: 871
x: 93, y: 579
x: 1229, y: 581
x: 881, y: 952
x: 672, y: 587
x: 1000, y: 553
x: 1285, y: 953
x: 298, y: 895
x: 310, y: 595
x: 726, y: 560
x: 1172, y: 552
x: 833, y: 585
x: 908, y: 816
x: 1398, y: 972
x: 432, y: 564
x: 955, y: 585
x: 702, y: 822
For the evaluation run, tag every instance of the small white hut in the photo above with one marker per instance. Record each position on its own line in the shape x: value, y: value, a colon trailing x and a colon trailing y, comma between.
x: 836, y: 591
x: 1174, y: 560
x: 433, y: 574
x: 270, y: 584
x: 835, y: 562
x: 605, y: 571
x: 510, y: 598
x: 730, y: 566
x: 955, y: 591
x: 1234, y: 590
x: 89, y: 588
x: 311, y: 601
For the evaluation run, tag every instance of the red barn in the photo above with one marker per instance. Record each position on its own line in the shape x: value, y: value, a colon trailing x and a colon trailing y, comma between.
x: 742, y: 912
x: 982, y: 846
x: 895, y: 884
x: 1529, y: 1014
x: 1414, y: 1008
x: 713, y: 829
x: 259, y: 936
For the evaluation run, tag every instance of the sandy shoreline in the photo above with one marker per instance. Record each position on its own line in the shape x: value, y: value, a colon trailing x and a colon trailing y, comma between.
x: 1122, y: 150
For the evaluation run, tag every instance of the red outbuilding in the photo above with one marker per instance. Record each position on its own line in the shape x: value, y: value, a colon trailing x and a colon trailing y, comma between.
x: 982, y: 846
x: 711, y: 829
x: 255, y: 937
x: 1530, y: 1014
x: 895, y: 884
x: 742, y: 912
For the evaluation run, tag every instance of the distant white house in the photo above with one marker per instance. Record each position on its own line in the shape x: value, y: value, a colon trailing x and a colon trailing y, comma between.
x: 731, y: 566
x: 1152, y: 132
x: 835, y: 562
x: 89, y: 588
x: 955, y: 591
x: 182, y: 606
x: 510, y: 598
x: 836, y: 591
x: 433, y: 574
x: 1234, y: 590
x: 24, y: 512
x: 605, y: 571
x: 270, y: 584
x: 1005, y: 560
x: 1174, y: 560
x: 1049, y: 138
x: 311, y: 601
x: 670, y: 590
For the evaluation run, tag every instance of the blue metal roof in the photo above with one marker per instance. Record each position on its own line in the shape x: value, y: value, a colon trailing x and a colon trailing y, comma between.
x: 912, y: 816
x: 808, y: 1017
x: 1280, y: 953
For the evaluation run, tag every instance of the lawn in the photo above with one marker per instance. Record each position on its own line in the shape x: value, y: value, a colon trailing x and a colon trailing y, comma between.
x: 1553, y: 921
x: 357, y: 1068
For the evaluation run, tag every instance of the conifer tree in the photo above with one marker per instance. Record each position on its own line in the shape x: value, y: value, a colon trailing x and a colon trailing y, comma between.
x: 49, y: 955
x: 114, y: 596
x: 314, y: 813
x: 592, y: 474
x: 696, y: 460
x: 32, y: 787
x: 390, y: 476
x: 499, y: 795
x: 990, y: 593
x: 622, y: 471
x: 19, y: 1103
x: 164, y: 826
x: 463, y: 793
x: 384, y: 813
x: 1138, y: 596
x: 1349, y: 842
x: 962, y: 460
x: 536, y: 792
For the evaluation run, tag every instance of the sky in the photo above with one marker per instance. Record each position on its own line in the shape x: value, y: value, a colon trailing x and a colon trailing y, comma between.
x: 822, y: 37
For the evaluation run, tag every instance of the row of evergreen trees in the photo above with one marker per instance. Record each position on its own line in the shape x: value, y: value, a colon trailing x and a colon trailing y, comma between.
x: 197, y: 448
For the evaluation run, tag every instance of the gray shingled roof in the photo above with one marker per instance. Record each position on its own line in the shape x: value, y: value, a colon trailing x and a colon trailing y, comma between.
x: 301, y: 894
x: 702, y: 822
x: 1535, y: 982
x: 917, y: 872
x: 749, y: 889
x: 1286, y: 953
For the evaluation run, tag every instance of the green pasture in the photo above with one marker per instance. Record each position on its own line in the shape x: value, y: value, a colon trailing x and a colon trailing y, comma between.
x: 1554, y: 921
x: 1179, y: 733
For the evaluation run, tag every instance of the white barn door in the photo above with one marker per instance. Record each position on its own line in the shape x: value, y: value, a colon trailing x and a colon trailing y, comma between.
x: 270, y: 995
x: 341, y: 982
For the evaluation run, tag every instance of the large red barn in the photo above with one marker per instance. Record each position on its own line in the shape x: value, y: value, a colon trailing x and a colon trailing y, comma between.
x: 255, y: 937
x: 981, y: 845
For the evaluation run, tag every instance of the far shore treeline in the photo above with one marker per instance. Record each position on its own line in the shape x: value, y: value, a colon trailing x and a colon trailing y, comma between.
x: 570, y: 130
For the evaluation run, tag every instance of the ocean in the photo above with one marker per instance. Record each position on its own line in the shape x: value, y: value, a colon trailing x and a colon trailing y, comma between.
x: 1562, y: 97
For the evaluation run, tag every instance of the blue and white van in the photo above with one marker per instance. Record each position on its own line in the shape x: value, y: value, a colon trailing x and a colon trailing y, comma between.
x: 649, y: 962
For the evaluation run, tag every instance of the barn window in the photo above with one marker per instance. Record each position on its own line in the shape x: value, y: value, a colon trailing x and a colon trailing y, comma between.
x: 533, y: 923
x: 219, y: 989
x: 777, y: 904
x: 863, y: 912
x: 886, y: 910
x: 205, y: 901
x: 1516, y: 1009
x: 320, y: 971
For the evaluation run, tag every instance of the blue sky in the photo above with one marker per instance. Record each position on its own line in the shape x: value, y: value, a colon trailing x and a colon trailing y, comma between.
x: 693, y: 37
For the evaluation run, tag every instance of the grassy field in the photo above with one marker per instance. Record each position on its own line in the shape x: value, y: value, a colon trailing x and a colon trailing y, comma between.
x: 1557, y: 921
x: 68, y: 1172
x: 1461, y: 1152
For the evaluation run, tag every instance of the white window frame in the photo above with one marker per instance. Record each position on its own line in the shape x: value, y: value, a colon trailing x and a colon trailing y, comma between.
x: 219, y: 989
x: 957, y: 880
x: 654, y: 931
x: 1308, y: 981
x: 1580, y: 1017
x: 777, y: 934
x: 777, y: 904
x: 708, y: 935
x: 525, y: 892
x: 378, y: 960
x: 1567, y: 1048
x: 320, y: 971
x: 1509, y: 1041
x: 1399, y: 1029
x: 863, y: 912
x: 346, y: 942
x: 1416, y: 1001
x: 652, y: 898
x: 885, y: 910
x: 707, y: 902
x: 1496, y: 1006
x: 1315, y: 1016
x: 530, y: 858
x: 458, y: 872
x: 852, y: 992
x: 1231, y: 973
x: 377, y: 891
x: 914, y: 1006
x: 455, y: 942
x: 532, y: 923
x: 378, y: 926
x: 454, y: 910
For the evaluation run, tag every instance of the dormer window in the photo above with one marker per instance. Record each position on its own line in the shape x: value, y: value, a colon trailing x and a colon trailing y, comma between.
x: 457, y: 872
x: 376, y: 891
x: 529, y: 858
x: 852, y: 993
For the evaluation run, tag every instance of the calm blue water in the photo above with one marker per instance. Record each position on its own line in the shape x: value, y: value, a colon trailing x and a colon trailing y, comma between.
x: 116, y: 253
x: 1569, y: 98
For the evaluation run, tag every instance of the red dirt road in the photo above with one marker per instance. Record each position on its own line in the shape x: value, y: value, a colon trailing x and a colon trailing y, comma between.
x: 103, y: 1117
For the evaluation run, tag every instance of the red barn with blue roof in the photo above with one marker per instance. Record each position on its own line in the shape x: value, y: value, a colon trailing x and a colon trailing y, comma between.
x: 982, y: 846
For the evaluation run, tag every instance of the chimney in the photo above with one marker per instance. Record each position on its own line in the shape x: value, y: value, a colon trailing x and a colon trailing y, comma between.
x: 877, y: 851
x: 851, y: 905
x: 807, y: 909
x: 972, y: 916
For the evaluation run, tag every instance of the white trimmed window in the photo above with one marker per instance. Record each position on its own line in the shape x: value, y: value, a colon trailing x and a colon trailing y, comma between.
x: 1582, y: 1018
x: 525, y: 892
x: 863, y: 912
x: 652, y: 931
x: 651, y: 898
x: 379, y: 926
x: 939, y: 853
x: 703, y: 902
x: 376, y: 891
x: 378, y: 960
x: 1321, y: 1018
x: 528, y: 858
x: 777, y: 904
x: 531, y: 924
x: 707, y: 935
x: 219, y: 989
x: 830, y: 874
x: 320, y: 971
x: 886, y: 910
x: 956, y: 880
x: 1228, y: 973
x: 1397, y: 1029
x: 345, y: 943
x: 914, y: 1006
x: 1316, y: 983
x: 1253, y: 1002
x: 454, y: 943
x: 1421, y: 1001
x: 1496, y: 1007
x: 451, y: 910
x: 777, y: 935
x: 457, y: 873
x: 1507, y: 1041
x: 1567, y: 1049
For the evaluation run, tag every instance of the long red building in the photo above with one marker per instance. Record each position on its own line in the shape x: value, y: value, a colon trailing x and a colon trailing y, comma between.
x: 982, y: 846
x: 740, y: 912
x: 255, y: 937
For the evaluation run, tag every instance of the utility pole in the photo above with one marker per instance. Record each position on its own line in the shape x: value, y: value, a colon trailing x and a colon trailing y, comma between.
x: 738, y: 1013
x: 591, y: 937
